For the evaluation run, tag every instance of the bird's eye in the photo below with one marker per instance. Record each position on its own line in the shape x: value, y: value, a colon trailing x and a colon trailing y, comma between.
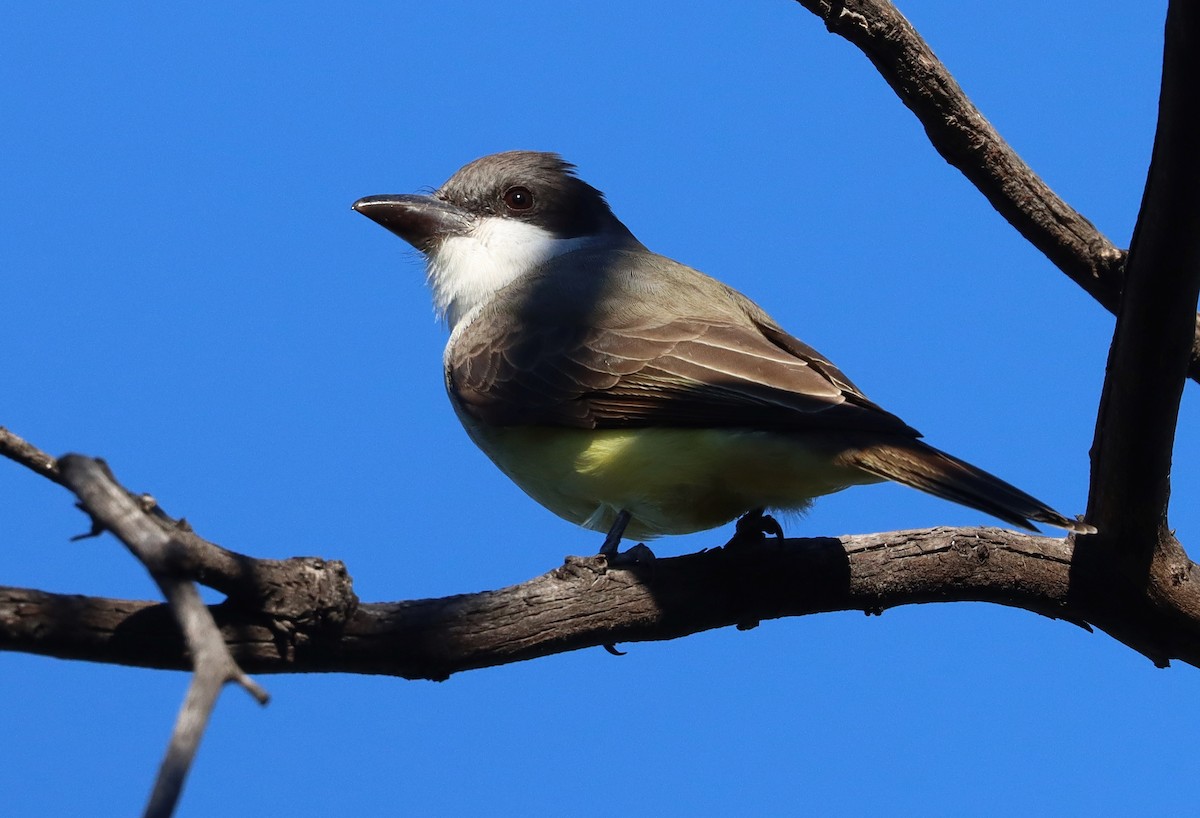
x: 518, y: 199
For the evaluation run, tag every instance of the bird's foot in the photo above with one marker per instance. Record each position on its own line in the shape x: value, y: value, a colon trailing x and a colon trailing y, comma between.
x: 636, y: 555
x: 639, y: 554
x: 753, y: 527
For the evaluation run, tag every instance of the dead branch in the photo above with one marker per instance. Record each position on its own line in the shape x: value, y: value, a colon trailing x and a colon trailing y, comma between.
x: 965, y: 139
x: 1148, y: 360
x: 586, y: 604
x: 113, y: 509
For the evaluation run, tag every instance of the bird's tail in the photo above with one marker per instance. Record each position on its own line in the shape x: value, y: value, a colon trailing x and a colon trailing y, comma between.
x: 923, y: 467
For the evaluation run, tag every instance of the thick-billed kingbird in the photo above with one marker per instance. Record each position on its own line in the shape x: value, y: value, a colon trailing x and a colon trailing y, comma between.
x: 630, y: 394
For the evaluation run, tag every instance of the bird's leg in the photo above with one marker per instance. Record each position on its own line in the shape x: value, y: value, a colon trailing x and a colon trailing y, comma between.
x: 753, y: 527
x: 613, y: 540
x: 638, y: 554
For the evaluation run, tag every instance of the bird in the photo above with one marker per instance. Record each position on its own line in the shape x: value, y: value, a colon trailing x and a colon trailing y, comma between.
x: 631, y: 394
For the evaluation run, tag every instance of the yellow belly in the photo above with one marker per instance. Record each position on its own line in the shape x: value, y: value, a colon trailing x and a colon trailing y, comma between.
x: 671, y: 481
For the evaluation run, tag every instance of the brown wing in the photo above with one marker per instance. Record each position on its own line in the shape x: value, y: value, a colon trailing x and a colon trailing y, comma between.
x: 554, y: 353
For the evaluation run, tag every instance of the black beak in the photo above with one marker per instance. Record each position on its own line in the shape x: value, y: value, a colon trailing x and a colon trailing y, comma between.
x: 422, y: 221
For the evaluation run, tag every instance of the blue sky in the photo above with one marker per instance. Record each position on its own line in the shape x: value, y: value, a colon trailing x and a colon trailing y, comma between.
x: 188, y: 294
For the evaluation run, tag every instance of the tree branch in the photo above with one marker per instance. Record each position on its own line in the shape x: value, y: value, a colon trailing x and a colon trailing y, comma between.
x: 965, y: 139
x: 1148, y: 360
x: 113, y: 509
x: 585, y: 604
x: 31, y: 457
x: 307, y: 590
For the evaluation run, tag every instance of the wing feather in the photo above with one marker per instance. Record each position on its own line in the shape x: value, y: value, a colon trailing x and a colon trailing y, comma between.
x: 549, y: 352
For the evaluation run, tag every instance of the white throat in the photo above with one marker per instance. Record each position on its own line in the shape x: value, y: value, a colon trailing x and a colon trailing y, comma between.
x: 465, y: 271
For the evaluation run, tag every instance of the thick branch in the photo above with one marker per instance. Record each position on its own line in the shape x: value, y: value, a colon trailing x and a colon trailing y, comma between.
x: 584, y: 604
x: 965, y: 139
x: 1148, y: 360
x: 1149, y: 357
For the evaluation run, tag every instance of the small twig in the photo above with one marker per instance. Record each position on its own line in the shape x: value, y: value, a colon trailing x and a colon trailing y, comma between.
x: 112, y: 508
x: 21, y: 451
x: 212, y: 667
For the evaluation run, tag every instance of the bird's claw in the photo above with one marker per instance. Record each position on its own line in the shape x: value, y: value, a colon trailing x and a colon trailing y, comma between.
x: 753, y: 527
x: 639, y: 554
